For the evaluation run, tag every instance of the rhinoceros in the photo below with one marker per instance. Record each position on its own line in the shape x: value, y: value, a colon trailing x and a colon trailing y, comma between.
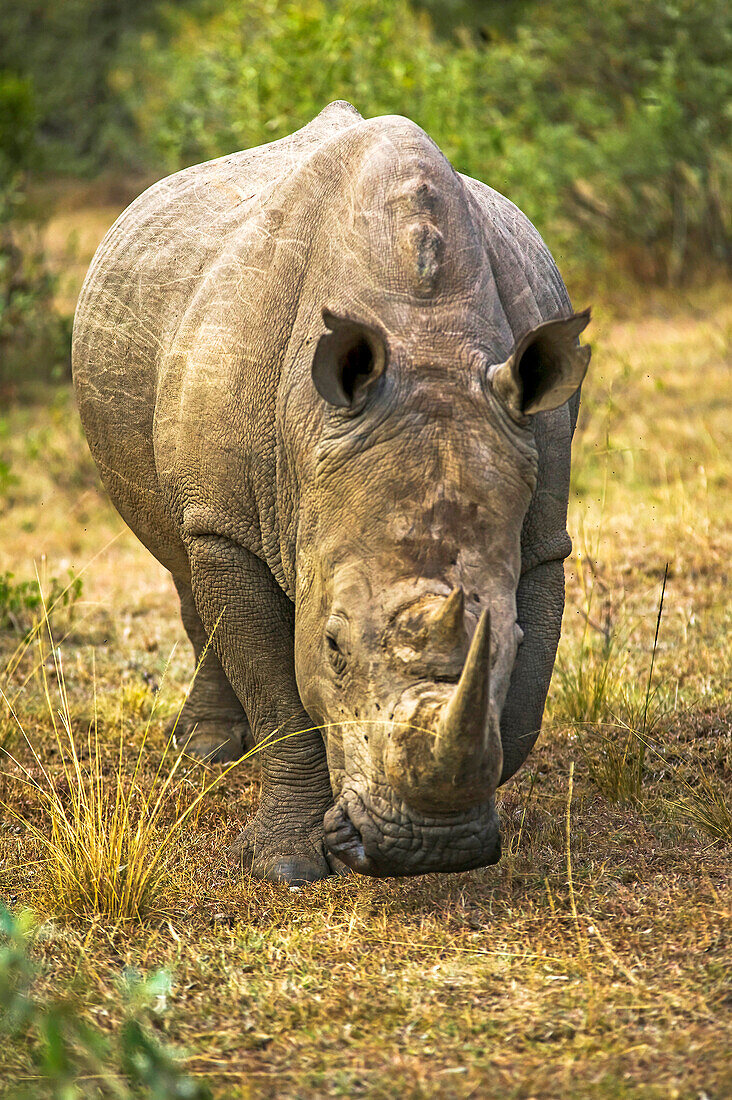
x: 331, y: 384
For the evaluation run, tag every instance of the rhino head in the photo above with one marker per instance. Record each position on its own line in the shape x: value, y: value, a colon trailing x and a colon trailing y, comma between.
x: 409, y: 538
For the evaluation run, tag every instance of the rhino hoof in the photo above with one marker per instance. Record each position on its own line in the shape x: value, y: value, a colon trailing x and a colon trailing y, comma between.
x: 293, y: 860
x: 296, y: 872
x: 213, y: 742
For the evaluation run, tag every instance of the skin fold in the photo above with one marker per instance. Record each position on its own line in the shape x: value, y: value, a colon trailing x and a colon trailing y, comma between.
x: 331, y: 384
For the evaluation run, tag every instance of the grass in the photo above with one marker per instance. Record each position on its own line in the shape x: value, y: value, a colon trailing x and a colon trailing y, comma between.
x: 706, y: 806
x: 103, y: 851
x: 593, y: 961
x: 104, y: 834
x: 68, y: 1054
x: 591, y: 696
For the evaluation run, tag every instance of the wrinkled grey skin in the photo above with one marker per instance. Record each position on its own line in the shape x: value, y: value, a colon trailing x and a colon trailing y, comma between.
x: 301, y: 372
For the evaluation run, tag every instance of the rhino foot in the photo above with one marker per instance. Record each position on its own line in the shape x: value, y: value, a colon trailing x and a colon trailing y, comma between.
x: 213, y: 740
x: 295, y: 856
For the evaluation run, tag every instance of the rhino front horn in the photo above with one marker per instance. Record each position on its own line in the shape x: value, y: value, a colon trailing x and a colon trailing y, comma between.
x: 466, y: 730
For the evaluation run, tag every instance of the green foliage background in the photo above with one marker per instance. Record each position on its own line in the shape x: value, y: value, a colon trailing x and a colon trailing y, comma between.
x: 30, y: 330
x: 607, y: 121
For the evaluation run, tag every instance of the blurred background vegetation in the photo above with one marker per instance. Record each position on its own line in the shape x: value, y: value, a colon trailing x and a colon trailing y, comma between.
x: 607, y: 121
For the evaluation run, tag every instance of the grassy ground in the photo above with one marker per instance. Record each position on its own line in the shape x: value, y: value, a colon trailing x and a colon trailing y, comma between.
x: 592, y: 961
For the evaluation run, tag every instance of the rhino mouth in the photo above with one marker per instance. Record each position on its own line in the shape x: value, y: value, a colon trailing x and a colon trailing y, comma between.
x: 381, y: 839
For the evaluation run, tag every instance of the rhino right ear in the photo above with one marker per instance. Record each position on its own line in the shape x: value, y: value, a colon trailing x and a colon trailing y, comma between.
x: 348, y: 360
x: 547, y: 366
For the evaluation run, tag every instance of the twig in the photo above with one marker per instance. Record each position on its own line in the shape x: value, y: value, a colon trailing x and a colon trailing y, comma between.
x: 655, y: 647
x: 568, y: 849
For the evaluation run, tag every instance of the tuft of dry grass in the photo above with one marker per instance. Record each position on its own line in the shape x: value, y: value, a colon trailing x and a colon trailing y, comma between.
x: 589, y: 677
x: 707, y: 806
x: 621, y: 770
x: 104, y: 836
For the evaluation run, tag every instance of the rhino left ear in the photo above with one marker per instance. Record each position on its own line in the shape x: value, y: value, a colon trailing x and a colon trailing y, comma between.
x: 547, y: 366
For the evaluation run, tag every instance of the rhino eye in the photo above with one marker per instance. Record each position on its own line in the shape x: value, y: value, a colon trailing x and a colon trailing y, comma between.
x: 335, y: 646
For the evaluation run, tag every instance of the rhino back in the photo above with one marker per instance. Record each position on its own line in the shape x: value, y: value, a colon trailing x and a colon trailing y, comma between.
x: 136, y: 294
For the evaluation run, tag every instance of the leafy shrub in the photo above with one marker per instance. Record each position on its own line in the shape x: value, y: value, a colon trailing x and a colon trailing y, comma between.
x: 606, y: 121
x: 66, y: 47
x: 17, y: 125
x: 7, y: 478
x: 71, y: 1059
x: 22, y: 602
x: 33, y: 339
x: 642, y: 94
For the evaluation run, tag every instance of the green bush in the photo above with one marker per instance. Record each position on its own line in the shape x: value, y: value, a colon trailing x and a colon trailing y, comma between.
x: 644, y: 92
x: 21, y: 602
x: 66, y: 48
x: 33, y: 338
x: 68, y: 1058
x: 608, y: 122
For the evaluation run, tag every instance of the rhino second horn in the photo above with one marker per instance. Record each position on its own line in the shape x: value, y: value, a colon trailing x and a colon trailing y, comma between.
x: 448, y: 621
x: 468, y: 711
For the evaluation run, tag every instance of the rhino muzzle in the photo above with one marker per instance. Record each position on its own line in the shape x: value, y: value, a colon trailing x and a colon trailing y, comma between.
x: 379, y: 838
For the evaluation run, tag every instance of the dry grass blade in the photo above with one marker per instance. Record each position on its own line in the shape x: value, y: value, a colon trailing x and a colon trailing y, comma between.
x: 568, y: 853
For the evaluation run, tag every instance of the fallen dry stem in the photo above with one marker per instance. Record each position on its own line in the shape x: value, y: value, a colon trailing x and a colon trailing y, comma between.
x: 568, y: 852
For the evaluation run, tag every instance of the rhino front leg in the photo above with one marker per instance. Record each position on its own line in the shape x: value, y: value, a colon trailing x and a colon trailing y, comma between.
x: 254, y: 642
x: 539, y: 604
x: 212, y: 723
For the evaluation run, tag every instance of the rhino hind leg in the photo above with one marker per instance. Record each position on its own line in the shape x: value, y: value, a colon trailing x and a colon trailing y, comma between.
x: 254, y: 642
x: 212, y: 724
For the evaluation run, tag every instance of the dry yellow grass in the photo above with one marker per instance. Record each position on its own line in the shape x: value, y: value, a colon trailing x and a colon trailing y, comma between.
x: 103, y: 834
x: 594, y: 960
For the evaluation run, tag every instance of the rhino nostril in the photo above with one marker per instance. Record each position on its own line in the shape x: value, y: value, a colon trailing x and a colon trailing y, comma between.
x: 342, y: 837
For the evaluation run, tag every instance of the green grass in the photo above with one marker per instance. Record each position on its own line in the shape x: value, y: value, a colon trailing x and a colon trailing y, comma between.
x: 593, y: 960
